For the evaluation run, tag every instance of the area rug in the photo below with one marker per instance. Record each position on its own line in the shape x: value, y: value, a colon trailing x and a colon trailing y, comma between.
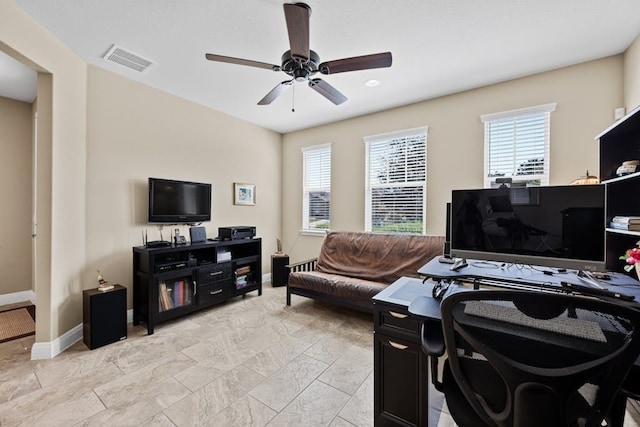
x: 15, y: 324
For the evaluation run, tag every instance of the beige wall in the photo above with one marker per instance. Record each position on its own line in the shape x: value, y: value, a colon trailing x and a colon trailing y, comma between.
x: 632, y: 76
x: 586, y: 96
x: 61, y: 176
x: 92, y: 180
x: 136, y: 132
x: 15, y: 193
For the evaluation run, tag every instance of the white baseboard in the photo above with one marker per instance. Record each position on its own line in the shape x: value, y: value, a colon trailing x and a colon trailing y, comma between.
x: 49, y: 350
x: 18, y: 297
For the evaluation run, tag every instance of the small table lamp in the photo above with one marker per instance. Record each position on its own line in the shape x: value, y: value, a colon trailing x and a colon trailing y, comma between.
x: 586, y: 180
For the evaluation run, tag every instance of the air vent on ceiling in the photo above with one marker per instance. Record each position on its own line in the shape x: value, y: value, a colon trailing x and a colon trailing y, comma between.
x: 128, y: 59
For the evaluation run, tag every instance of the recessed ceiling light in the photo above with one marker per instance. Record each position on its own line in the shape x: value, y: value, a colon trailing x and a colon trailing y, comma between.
x: 372, y: 83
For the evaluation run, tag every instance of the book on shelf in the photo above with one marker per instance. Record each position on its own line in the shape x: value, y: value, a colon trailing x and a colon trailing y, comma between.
x: 620, y: 219
x: 165, y: 298
x: 243, y: 270
x: 176, y: 294
x: 625, y: 226
x: 188, y: 290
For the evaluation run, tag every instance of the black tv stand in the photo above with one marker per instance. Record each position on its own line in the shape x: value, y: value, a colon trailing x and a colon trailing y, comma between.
x: 175, y: 280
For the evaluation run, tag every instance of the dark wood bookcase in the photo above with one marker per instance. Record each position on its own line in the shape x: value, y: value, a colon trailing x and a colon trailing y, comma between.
x: 617, y: 144
x: 173, y: 281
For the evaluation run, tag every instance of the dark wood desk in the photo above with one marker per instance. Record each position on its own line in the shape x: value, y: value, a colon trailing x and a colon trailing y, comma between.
x: 427, y: 308
x: 401, y: 368
x: 530, y: 276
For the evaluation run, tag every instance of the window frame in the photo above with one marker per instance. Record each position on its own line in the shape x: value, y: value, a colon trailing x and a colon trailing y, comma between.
x: 320, y: 148
x: 514, y: 115
x: 369, y: 186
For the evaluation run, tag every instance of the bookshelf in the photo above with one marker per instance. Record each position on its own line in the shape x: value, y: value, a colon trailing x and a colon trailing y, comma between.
x: 174, y: 281
x: 617, y: 144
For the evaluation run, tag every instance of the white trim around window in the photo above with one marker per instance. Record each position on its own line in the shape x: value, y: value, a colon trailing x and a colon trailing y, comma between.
x: 316, y: 189
x: 396, y: 181
x: 517, y: 145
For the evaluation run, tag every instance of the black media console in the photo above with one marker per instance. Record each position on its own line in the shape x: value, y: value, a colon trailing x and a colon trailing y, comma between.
x: 169, y: 282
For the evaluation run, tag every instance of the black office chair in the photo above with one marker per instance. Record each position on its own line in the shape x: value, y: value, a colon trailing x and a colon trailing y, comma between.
x: 531, y: 359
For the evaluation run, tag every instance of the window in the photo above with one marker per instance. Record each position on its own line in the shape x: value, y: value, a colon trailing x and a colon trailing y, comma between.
x: 316, y: 199
x: 517, y: 146
x: 396, y: 182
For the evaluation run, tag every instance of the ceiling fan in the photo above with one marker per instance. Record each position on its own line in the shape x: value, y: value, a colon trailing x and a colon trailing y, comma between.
x: 302, y: 63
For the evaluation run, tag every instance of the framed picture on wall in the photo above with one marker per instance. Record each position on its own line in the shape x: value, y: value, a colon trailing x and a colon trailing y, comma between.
x: 244, y: 194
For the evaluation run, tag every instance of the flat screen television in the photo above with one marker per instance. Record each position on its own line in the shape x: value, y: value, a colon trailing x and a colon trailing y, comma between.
x: 178, y: 202
x: 555, y: 226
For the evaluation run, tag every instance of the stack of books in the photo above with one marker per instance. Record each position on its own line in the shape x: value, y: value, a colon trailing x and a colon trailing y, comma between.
x: 241, y: 282
x: 241, y: 276
x: 631, y: 223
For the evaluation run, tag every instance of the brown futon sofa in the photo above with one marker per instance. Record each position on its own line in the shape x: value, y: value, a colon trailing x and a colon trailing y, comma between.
x: 352, y: 267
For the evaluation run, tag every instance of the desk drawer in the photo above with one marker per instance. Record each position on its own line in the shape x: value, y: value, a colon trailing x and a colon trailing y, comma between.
x: 395, y: 320
x: 214, y: 273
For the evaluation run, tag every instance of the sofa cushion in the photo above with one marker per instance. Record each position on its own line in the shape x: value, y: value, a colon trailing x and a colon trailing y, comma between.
x: 338, y: 286
x: 376, y: 257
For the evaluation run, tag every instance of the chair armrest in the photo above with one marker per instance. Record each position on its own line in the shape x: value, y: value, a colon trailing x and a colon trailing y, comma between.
x: 432, y: 340
x: 308, y: 265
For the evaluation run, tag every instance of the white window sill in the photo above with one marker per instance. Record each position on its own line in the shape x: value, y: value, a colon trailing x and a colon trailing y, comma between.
x: 314, y: 232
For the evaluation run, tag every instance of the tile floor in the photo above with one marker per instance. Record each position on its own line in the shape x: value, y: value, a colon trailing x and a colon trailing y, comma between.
x: 249, y: 362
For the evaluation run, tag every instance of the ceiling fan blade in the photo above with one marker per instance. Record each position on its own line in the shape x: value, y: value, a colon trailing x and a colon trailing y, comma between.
x: 365, y: 62
x: 240, y: 61
x: 297, y: 16
x: 328, y: 91
x: 275, y: 92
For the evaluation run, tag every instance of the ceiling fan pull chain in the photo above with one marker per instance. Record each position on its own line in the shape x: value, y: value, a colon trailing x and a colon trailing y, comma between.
x: 293, y: 97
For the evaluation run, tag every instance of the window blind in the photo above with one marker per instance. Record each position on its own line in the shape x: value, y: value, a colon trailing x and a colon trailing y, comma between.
x: 517, y: 145
x: 316, y: 187
x: 396, y: 182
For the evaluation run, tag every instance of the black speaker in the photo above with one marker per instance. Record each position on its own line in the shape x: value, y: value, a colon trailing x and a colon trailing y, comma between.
x: 279, y: 270
x: 447, y: 236
x: 104, y: 316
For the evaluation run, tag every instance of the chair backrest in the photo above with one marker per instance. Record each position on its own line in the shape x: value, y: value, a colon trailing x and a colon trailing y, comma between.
x: 525, y: 358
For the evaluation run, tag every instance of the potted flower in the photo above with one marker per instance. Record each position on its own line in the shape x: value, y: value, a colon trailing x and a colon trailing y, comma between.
x: 632, y: 258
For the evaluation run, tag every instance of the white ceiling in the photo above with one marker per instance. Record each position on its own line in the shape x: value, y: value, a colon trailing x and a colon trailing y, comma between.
x: 439, y: 46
